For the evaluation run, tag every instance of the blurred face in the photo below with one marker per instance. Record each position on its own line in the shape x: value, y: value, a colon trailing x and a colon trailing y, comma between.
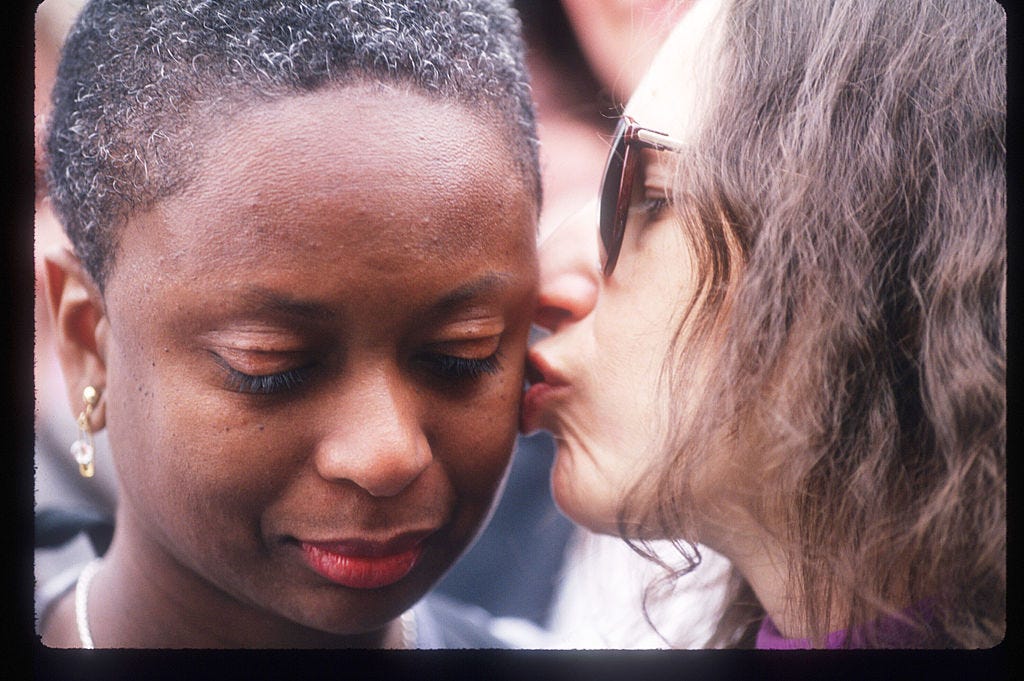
x: 621, y: 37
x: 597, y: 384
x: 314, y: 355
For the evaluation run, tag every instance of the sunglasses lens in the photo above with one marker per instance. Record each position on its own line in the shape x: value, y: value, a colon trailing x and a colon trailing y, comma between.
x: 610, y: 230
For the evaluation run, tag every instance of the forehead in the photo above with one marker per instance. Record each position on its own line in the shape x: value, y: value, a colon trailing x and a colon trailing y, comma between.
x: 360, y: 165
x: 669, y: 98
x: 355, y: 142
x: 355, y: 122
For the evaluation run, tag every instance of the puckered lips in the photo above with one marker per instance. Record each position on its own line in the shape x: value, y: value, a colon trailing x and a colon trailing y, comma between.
x: 544, y: 385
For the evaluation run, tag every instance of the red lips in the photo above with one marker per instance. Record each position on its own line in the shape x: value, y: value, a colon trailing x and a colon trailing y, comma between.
x: 364, y: 564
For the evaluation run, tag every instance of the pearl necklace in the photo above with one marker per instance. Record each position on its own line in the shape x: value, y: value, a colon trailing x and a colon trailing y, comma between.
x: 407, y: 621
x: 410, y: 634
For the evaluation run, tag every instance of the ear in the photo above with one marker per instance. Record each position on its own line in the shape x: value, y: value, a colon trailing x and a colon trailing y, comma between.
x: 80, y: 327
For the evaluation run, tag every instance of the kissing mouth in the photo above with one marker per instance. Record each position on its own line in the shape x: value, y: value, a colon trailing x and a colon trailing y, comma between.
x: 544, y: 385
x: 540, y: 370
x: 533, y: 374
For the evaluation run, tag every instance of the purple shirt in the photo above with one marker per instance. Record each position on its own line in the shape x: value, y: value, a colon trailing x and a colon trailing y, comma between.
x: 890, y: 632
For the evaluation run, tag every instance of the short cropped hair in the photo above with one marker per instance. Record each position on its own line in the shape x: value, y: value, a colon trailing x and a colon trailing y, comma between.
x: 138, y: 79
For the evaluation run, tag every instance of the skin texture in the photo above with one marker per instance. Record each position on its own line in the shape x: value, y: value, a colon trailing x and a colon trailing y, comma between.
x: 352, y: 243
x: 611, y: 336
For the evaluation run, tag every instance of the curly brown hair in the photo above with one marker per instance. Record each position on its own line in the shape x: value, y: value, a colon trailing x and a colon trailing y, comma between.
x: 849, y: 190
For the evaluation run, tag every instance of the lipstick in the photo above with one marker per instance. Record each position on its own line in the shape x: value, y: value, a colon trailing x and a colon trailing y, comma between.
x: 360, y: 564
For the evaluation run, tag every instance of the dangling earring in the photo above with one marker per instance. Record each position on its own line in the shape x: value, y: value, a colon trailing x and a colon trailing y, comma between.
x: 82, y: 448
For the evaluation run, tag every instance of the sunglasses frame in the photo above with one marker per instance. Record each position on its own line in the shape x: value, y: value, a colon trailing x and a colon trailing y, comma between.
x: 619, y: 174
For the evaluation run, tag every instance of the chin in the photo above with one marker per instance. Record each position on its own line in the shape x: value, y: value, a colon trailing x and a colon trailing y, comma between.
x: 580, y: 496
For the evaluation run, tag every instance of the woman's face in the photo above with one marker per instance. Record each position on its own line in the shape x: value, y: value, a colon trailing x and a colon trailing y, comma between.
x: 315, y: 354
x: 602, y: 366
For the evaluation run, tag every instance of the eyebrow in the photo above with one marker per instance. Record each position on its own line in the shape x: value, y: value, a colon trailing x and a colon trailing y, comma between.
x: 489, y: 283
x: 274, y: 301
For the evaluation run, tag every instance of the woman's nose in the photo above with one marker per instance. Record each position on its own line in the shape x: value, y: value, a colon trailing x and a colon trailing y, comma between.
x: 376, y: 439
x: 570, y: 275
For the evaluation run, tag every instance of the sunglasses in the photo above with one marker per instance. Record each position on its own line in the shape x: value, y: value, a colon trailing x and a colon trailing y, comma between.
x: 617, y: 184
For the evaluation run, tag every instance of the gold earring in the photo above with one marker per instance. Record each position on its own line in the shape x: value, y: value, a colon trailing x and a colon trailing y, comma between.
x: 82, y: 448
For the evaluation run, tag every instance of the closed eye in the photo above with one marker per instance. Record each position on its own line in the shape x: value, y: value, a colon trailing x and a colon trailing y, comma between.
x: 268, y: 384
x: 263, y: 384
x: 455, y: 368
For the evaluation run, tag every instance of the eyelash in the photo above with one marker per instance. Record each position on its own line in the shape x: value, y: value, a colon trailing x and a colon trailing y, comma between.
x: 267, y: 384
x: 653, y: 206
x: 448, y: 367
x: 461, y: 368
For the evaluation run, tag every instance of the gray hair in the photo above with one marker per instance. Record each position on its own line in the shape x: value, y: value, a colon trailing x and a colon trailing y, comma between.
x: 138, y: 79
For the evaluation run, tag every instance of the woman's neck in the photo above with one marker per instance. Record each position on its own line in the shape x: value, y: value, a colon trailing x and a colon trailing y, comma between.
x: 768, y: 576
x: 762, y: 559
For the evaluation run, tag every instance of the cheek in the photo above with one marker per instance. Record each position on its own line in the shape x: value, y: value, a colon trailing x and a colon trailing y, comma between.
x: 474, y: 439
x: 601, y: 448
x: 141, y: 436
x: 176, y: 451
x: 475, y: 433
x: 581, y: 491
x: 627, y: 383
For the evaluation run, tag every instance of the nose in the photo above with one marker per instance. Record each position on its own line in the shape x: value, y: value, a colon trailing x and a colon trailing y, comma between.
x: 375, y: 438
x: 570, y: 275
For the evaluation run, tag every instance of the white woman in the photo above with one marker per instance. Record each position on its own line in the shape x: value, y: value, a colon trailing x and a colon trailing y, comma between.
x: 781, y: 331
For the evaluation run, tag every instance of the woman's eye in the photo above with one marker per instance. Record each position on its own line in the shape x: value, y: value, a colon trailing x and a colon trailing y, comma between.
x: 648, y: 209
x: 653, y: 206
x: 263, y: 384
x: 453, y: 367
